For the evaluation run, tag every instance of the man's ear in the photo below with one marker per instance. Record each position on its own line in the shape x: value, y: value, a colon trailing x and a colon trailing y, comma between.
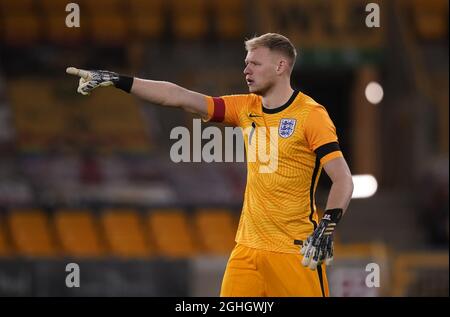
x: 281, y: 66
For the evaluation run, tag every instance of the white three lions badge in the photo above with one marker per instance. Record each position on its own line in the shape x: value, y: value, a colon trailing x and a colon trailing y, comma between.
x: 287, y: 127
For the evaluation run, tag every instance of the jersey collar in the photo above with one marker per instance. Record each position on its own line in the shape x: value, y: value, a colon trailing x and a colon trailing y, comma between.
x: 281, y: 108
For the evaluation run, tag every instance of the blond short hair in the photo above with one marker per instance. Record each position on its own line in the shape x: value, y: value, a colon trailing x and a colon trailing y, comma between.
x: 274, y: 42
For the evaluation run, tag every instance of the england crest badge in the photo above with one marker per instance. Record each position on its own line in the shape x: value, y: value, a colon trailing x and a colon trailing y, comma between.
x: 287, y: 127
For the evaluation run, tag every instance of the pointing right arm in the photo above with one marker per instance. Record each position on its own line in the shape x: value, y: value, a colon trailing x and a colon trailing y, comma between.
x: 158, y: 92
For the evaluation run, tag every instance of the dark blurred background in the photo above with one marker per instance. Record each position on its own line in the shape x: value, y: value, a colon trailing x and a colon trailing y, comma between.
x: 89, y: 180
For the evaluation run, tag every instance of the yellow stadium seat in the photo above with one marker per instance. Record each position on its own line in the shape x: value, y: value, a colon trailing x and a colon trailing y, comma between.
x: 16, y: 6
x: 124, y: 233
x: 114, y: 116
x: 54, y: 20
x: 57, y: 32
x: 375, y: 250
x: 37, y: 120
x: 109, y: 117
x: 108, y: 28
x: 20, y: 29
x: 147, y: 26
x: 431, y: 18
x: 171, y: 232
x: 190, y: 18
x: 147, y: 18
x: 5, y: 248
x: 145, y: 6
x: 78, y: 233
x: 107, y: 22
x: 230, y: 18
x: 58, y: 6
x: 103, y: 6
x: 216, y: 230
x: 420, y: 273
x: 31, y: 234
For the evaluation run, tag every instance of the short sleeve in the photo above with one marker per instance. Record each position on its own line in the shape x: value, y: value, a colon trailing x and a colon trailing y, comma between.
x: 321, y: 136
x: 226, y: 109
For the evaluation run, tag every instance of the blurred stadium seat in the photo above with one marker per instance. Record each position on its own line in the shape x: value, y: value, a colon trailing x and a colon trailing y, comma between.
x: 104, y: 6
x: 110, y: 119
x: 5, y: 248
x: 116, y: 23
x: 78, y: 233
x: 53, y: 14
x: 348, y: 273
x: 56, y: 33
x: 421, y: 274
x: 117, y: 122
x: 56, y: 6
x: 21, y: 29
x: 37, y: 123
x: 431, y: 18
x: 230, y: 18
x: 376, y: 250
x: 216, y: 230
x: 108, y: 25
x: 146, y: 18
x: 31, y: 233
x: 109, y: 29
x: 125, y: 234
x: 7, y: 6
x: 171, y: 232
x: 190, y: 18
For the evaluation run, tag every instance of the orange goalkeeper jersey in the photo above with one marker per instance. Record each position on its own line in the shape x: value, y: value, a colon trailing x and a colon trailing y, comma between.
x: 279, y: 206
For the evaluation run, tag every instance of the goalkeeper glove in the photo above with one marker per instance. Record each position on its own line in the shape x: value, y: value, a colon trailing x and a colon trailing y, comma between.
x: 91, y: 79
x: 319, y: 245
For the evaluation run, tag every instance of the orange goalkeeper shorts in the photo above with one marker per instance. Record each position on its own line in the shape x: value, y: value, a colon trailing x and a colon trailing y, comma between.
x: 254, y: 273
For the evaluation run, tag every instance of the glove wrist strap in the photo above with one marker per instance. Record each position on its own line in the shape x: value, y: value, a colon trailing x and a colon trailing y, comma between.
x: 125, y: 83
x: 333, y: 215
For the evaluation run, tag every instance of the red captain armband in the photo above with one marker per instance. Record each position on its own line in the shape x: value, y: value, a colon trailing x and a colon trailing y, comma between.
x: 219, y: 110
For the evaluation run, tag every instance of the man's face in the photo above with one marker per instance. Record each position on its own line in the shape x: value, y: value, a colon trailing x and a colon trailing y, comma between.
x: 261, y: 70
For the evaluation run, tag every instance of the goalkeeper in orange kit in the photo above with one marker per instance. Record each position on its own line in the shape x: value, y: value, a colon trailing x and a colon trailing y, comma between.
x: 281, y: 246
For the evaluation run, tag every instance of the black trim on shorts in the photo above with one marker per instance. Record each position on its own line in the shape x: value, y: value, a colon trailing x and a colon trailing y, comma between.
x: 314, y: 179
x: 328, y: 148
x: 319, y: 272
